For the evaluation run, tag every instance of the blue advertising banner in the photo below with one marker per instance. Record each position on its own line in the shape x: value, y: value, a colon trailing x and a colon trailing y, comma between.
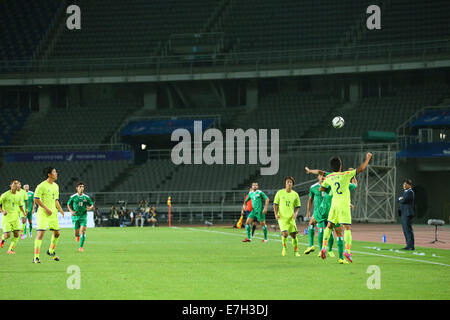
x: 426, y: 150
x: 68, y: 156
x: 433, y: 118
x: 162, y: 127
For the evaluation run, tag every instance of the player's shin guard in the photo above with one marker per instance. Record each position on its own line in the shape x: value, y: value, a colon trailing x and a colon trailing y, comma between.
x: 340, y: 246
x: 311, y: 232
x: 326, y: 236
x: 249, y: 231
x: 82, y: 239
x: 14, y: 241
x: 265, y: 232
x: 53, y: 243
x: 37, y: 247
x: 330, y: 242
x: 348, y: 240
x: 320, y: 238
x: 295, y: 244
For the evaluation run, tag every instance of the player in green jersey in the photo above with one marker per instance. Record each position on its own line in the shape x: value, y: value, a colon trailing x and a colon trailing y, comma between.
x: 23, y: 218
x: 340, y: 205
x: 46, y: 197
x: 78, y: 205
x: 257, y: 197
x: 11, y: 205
x: 286, y: 205
x: 30, y: 210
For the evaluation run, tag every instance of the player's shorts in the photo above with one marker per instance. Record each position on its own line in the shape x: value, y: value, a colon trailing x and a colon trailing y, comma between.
x: 30, y: 216
x: 10, y: 225
x: 44, y: 221
x: 340, y: 216
x: 260, y: 216
x: 288, y: 225
x: 79, y: 221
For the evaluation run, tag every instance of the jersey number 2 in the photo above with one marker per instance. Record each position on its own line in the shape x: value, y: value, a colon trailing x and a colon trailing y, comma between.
x: 337, y: 187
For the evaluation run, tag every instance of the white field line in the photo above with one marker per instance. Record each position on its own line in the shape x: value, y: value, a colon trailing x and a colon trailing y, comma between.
x: 361, y: 252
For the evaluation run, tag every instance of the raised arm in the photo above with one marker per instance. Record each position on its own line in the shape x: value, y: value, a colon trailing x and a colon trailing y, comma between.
x: 363, y: 166
x: 314, y: 171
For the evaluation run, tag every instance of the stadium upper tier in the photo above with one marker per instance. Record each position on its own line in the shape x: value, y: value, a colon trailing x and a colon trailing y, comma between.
x: 23, y: 24
x: 131, y: 28
x: 141, y: 28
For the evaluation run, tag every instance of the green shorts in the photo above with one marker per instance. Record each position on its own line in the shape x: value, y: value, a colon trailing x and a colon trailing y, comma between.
x: 288, y: 225
x: 79, y: 221
x: 258, y: 215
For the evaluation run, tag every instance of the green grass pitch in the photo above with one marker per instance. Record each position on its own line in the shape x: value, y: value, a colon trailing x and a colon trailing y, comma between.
x: 213, y: 263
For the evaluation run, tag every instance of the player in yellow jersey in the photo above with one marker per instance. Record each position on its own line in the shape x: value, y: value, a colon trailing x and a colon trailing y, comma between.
x: 11, y: 204
x: 46, y: 197
x: 286, y: 206
x: 340, y: 204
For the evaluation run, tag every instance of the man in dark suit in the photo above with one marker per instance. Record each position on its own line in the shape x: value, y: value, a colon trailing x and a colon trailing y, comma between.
x: 406, y: 211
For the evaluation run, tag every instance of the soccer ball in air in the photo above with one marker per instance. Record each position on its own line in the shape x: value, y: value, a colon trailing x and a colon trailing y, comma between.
x: 338, y: 122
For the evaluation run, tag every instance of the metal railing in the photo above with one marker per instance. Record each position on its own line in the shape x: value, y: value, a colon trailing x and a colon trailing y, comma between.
x: 226, y: 61
x: 65, y: 147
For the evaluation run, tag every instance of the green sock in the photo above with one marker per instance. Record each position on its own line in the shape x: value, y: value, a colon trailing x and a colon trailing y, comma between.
x: 82, y: 238
x: 330, y: 242
x: 320, y: 238
x: 25, y: 228
x: 311, y: 232
x: 265, y: 232
x: 14, y: 241
x: 284, y: 241
x: 348, y: 240
x: 53, y: 243
x: 295, y: 244
x: 340, y: 245
x: 37, y: 247
x: 30, y: 227
x: 249, y: 231
x: 326, y: 236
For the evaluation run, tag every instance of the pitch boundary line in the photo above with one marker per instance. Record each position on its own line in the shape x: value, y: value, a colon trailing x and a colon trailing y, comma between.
x: 304, y: 243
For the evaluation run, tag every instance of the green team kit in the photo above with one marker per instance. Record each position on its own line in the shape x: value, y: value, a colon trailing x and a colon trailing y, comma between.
x: 30, y: 200
x: 257, y: 197
x: 79, y: 204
